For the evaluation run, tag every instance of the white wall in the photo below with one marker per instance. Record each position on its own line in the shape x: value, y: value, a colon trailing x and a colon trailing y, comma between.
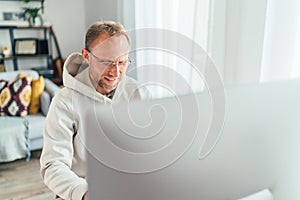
x: 98, y: 10
x: 68, y: 20
x: 71, y: 18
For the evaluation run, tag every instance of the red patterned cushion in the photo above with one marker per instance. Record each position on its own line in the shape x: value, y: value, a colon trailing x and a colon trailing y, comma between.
x: 15, y: 97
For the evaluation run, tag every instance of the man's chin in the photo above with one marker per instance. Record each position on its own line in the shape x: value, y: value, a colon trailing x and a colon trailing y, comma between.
x: 107, y: 88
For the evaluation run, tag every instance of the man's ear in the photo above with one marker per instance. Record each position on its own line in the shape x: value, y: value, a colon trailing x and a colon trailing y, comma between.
x: 86, y: 55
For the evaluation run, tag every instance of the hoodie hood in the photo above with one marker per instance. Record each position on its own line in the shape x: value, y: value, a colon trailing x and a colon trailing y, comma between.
x: 76, y: 77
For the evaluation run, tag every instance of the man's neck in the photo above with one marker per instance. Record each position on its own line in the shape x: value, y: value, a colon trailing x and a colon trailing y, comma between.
x: 111, y: 94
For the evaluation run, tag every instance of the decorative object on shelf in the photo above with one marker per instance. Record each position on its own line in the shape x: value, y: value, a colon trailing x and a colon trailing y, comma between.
x: 7, y: 15
x: 13, y: 16
x: 42, y: 4
x: 26, y: 46
x: 31, y: 14
x: 6, y: 51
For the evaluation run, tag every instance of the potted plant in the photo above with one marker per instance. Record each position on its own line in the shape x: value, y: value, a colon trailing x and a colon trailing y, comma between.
x: 30, y: 14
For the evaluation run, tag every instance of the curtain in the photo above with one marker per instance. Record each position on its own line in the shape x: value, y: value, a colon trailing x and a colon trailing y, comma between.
x: 255, y: 41
x: 249, y: 41
x: 281, y: 51
x: 163, y: 68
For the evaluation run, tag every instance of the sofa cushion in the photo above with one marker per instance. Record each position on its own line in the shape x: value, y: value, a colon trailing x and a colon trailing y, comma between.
x: 36, y: 125
x: 37, y: 87
x: 15, y: 97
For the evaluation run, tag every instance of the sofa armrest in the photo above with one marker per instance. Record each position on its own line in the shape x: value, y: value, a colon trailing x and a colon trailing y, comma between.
x: 50, y: 90
x: 45, y: 100
x: 51, y: 87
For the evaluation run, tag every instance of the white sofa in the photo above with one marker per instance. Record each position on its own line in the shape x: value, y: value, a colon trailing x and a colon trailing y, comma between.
x: 20, y: 135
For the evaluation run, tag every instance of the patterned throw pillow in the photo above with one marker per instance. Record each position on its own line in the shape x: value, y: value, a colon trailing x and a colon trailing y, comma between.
x: 37, y: 87
x: 15, y: 97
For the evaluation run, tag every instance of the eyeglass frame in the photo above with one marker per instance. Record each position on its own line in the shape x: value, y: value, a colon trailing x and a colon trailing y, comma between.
x: 109, y: 63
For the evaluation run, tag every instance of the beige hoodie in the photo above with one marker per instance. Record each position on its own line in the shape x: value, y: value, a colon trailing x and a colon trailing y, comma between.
x: 63, y: 156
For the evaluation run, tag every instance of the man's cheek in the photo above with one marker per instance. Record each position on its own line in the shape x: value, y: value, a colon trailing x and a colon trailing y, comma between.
x: 98, y: 73
x: 122, y: 70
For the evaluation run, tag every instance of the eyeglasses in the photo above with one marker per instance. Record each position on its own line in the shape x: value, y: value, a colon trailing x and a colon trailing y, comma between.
x: 108, y: 63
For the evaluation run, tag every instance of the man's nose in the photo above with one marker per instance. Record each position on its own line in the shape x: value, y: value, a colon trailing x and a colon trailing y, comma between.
x: 114, y: 70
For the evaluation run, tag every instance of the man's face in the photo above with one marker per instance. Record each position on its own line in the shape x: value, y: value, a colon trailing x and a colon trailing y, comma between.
x: 108, y: 60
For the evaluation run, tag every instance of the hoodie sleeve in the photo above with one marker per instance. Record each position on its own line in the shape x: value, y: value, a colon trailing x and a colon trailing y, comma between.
x: 57, y: 154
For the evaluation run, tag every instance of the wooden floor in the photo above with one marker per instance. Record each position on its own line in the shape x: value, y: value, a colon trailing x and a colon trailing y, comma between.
x: 21, y: 180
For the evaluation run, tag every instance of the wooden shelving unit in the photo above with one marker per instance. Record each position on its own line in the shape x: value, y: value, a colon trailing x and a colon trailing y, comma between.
x: 47, y: 70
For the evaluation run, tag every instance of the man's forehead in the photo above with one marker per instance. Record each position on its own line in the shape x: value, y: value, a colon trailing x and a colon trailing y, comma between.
x: 105, y: 41
x: 113, y: 47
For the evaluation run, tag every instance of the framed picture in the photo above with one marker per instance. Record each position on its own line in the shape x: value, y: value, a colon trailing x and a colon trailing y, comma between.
x: 26, y: 46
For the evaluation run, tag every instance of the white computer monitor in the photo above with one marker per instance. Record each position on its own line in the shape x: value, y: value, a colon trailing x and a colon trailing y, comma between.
x: 151, y: 150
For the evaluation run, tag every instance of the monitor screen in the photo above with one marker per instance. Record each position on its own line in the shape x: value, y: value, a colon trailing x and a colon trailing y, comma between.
x: 153, y: 150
